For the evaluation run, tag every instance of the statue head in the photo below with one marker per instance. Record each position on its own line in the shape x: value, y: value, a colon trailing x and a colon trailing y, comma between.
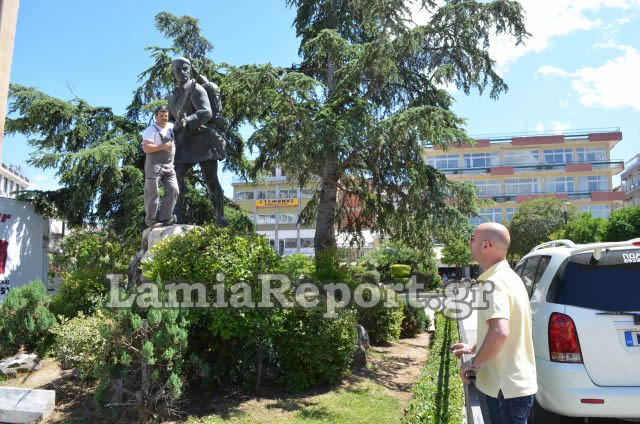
x: 181, y: 67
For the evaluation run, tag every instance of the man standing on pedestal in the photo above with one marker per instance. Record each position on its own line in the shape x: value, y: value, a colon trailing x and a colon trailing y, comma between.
x: 158, y: 144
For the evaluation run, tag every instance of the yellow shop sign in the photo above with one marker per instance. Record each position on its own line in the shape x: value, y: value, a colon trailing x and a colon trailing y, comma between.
x: 276, y: 203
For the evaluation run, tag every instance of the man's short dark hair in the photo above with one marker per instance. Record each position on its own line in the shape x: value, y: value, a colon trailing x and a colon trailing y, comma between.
x: 160, y: 109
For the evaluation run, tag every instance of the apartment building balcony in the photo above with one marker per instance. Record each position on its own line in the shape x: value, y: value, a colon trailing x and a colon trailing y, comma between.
x: 609, y: 134
x: 16, y: 172
x: 501, y: 169
x: 631, y: 187
x: 597, y: 195
x: 632, y: 165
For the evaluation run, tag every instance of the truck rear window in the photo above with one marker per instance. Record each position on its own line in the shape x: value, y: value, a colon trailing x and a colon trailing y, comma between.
x: 611, y: 284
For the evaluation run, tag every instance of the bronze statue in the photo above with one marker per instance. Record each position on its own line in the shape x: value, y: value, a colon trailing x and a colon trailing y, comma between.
x: 194, y: 106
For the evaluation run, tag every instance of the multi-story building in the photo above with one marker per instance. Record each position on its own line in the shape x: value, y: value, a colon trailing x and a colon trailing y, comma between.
x: 630, y: 181
x: 509, y: 170
x: 273, y: 204
x: 12, y: 179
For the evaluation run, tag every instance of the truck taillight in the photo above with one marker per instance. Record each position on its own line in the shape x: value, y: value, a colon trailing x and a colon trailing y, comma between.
x: 564, y: 345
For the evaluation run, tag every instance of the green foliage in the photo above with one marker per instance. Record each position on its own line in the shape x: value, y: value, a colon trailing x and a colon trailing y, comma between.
x: 582, y: 229
x: 534, y: 222
x: 80, y: 343
x: 623, y: 224
x: 400, y: 271
x: 328, y: 267
x: 438, y: 396
x: 145, y: 359
x: 368, y: 92
x: 414, y: 322
x: 422, y: 262
x: 82, y: 260
x: 369, y: 277
x: 457, y: 252
x: 297, y: 265
x: 25, y: 320
x: 313, y: 350
x: 382, y: 322
x: 96, y: 154
x: 227, y: 340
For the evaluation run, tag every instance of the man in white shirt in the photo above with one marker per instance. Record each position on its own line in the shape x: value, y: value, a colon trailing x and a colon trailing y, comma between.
x: 158, y: 144
x: 504, y: 363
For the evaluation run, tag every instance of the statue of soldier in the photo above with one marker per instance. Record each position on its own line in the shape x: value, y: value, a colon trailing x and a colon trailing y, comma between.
x: 194, y: 105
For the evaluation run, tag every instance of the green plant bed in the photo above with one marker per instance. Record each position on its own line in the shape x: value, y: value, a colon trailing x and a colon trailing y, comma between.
x: 438, y: 396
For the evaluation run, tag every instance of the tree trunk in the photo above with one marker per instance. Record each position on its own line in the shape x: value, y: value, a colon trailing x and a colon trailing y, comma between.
x: 325, y: 237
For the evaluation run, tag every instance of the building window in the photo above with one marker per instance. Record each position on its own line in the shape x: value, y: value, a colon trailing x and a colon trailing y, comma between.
x: 560, y: 185
x: 593, y: 183
x: 509, y: 212
x: 591, y: 154
x: 444, y: 161
x: 522, y: 186
x: 521, y: 157
x: 6, y: 184
x: 266, y: 219
x: 486, y: 187
x: 558, y: 156
x: 266, y: 194
x: 306, y: 243
x: 288, y: 218
x: 487, y: 215
x: 480, y: 160
x: 244, y: 195
x: 290, y: 243
x: 288, y: 193
x: 597, y: 211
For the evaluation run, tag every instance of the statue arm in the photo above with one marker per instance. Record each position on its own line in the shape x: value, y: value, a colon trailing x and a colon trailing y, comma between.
x: 203, y: 113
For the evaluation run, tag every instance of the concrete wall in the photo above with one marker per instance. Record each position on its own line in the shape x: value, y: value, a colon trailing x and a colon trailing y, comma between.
x: 24, y: 238
x: 8, y: 19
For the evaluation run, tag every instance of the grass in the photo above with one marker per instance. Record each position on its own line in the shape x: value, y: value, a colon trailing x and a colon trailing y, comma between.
x: 365, y: 403
x: 438, y: 396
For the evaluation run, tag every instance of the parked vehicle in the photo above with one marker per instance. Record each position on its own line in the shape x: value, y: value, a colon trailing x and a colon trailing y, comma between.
x: 585, y: 305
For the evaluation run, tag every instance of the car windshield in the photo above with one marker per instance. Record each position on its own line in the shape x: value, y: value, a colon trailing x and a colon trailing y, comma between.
x: 611, y: 284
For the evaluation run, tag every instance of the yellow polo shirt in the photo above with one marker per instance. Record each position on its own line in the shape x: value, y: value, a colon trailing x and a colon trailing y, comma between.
x: 513, y: 370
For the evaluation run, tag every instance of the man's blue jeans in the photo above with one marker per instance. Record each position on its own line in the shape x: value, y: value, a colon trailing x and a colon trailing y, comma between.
x: 509, y: 411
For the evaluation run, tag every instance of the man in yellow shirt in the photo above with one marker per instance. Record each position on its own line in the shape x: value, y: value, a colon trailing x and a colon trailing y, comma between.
x: 504, y: 364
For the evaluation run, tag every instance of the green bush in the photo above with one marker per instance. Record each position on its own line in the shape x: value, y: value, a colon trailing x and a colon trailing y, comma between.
x: 438, y: 395
x: 80, y: 342
x: 296, y: 265
x: 25, y: 320
x: 314, y: 350
x: 82, y: 261
x: 383, y: 323
x: 400, y: 271
x: 422, y: 262
x: 329, y: 268
x: 415, y: 321
x: 227, y: 339
x: 623, y: 224
x: 144, y: 370
x: 370, y: 277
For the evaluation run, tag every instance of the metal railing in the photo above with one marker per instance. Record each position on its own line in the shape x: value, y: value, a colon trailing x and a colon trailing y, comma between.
x: 631, y: 165
x: 616, y: 163
x: 17, y: 171
x: 497, y: 138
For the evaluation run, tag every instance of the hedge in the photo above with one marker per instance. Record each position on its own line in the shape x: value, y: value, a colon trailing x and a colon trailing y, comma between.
x: 438, y: 396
